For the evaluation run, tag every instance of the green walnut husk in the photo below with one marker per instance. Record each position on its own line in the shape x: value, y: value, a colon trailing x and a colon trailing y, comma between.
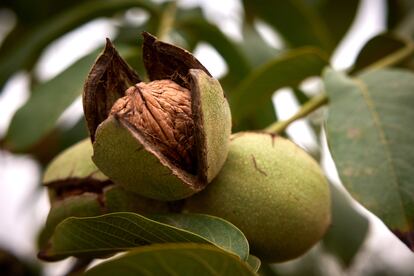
x: 73, y: 163
x: 78, y: 189
x: 271, y: 190
x: 166, y: 139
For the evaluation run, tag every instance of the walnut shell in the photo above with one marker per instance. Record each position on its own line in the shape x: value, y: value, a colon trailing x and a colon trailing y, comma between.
x: 161, y: 111
x: 166, y: 139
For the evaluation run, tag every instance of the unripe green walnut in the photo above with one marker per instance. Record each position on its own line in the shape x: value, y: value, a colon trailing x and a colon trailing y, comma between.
x: 72, y: 173
x: 166, y: 139
x: 273, y: 191
x: 78, y: 189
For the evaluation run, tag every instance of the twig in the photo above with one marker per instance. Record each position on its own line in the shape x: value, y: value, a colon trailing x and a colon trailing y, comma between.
x: 306, y: 109
x: 167, y: 20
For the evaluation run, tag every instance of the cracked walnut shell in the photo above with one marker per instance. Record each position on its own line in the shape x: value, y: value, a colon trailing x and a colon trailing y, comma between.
x: 165, y: 139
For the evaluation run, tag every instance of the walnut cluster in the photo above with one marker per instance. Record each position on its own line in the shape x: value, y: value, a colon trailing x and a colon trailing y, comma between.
x: 161, y: 111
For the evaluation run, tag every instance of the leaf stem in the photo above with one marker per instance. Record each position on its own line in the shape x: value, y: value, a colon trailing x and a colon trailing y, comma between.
x: 307, y: 108
x: 167, y: 20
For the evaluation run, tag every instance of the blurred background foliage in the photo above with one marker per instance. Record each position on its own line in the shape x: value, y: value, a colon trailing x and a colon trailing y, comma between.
x: 309, y: 30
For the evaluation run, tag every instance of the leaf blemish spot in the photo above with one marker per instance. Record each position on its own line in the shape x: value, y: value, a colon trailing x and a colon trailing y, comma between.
x: 348, y: 171
x: 353, y: 133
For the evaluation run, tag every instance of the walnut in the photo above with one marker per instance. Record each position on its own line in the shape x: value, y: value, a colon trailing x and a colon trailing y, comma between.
x: 161, y: 111
x: 166, y: 139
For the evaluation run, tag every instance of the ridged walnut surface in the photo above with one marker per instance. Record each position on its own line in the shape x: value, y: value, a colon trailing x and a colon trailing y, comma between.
x: 161, y: 111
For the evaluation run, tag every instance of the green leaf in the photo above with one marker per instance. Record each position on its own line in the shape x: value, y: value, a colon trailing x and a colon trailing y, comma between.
x: 255, y: 48
x: 337, y: 15
x: 68, y: 137
x: 29, y: 12
x: 96, y: 236
x: 265, y: 116
x: 339, y: 240
x: 56, y: 141
x: 301, y: 24
x: 287, y: 69
x: 84, y: 205
x: 381, y: 51
x: 26, y: 50
x: 369, y: 130
x: 201, y: 30
x: 216, y: 230
x: 47, y: 102
x: 173, y: 259
x: 296, y: 21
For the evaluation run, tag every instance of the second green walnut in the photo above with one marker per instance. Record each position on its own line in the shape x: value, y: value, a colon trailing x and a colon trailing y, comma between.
x: 165, y: 139
x: 77, y: 188
x: 273, y: 191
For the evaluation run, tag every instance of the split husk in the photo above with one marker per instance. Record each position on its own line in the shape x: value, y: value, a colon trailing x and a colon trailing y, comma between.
x: 160, y: 147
